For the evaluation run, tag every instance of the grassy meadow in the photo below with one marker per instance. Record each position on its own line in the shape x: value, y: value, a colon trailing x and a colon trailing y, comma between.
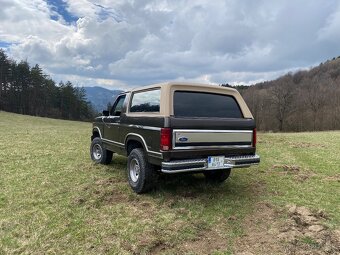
x: 54, y: 200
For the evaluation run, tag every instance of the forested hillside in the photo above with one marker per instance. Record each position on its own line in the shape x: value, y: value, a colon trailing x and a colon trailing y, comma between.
x: 302, y: 101
x: 28, y: 90
x: 307, y: 100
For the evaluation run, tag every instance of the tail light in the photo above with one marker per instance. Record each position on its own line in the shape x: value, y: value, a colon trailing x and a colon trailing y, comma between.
x: 254, y: 137
x: 165, y: 139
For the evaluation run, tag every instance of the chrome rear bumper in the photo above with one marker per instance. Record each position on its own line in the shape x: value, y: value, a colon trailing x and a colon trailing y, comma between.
x: 198, y: 165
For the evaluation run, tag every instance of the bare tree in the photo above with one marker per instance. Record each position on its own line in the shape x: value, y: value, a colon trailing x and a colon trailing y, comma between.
x: 315, y: 98
x: 282, y: 99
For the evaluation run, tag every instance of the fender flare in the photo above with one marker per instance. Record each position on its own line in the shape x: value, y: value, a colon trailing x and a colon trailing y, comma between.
x: 95, y: 129
x: 135, y: 137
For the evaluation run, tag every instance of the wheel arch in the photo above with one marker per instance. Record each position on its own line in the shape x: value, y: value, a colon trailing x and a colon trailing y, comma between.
x: 96, y: 133
x: 133, y: 141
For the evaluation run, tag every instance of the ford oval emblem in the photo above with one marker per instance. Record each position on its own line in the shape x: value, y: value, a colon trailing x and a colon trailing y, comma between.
x: 182, y: 139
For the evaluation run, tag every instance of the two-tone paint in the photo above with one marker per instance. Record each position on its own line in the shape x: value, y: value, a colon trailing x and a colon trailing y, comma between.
x: 192, y: 138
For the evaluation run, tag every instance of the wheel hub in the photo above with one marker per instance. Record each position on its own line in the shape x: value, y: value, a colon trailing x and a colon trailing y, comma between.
x: 134, y: 170
x: 97, y: 152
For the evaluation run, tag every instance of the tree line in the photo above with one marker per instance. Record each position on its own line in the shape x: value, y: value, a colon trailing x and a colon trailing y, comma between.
x: 28, y: 90
x: 307, y: 100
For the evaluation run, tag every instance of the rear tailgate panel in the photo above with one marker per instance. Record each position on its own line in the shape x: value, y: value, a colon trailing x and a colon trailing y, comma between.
x: 202, y: 137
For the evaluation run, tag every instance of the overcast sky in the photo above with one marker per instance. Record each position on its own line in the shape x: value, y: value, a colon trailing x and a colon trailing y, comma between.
x: 122, y: 43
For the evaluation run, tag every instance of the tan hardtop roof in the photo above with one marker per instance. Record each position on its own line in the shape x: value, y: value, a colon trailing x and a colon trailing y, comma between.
x: 178, y: 83
x: 168, y: 88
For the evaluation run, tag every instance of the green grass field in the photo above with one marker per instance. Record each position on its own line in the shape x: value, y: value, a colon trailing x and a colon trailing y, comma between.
x: 54, y: 200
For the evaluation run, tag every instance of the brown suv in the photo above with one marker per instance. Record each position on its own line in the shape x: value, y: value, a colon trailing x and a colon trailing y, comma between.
x: 175, y: 128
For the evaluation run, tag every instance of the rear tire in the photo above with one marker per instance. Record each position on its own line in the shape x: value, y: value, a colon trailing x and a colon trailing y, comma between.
x: 217, y: 176
x: 142, y: 175
x: 98, y: 154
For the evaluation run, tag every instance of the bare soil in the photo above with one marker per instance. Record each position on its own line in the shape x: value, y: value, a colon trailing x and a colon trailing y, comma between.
x: 335, y: 178
x: 302, y: 232
x: 299, y: 174
x: 268, y: 230
x: 305, y: 145
x: 206, y: 243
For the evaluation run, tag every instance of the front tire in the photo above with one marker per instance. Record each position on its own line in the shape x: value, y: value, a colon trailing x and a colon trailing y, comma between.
x: 141, y: 174
x: 98, y: 153
x: 217, y: 175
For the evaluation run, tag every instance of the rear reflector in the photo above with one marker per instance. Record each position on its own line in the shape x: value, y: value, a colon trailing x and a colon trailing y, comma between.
x: 165, y: 139
x: 254, y: 137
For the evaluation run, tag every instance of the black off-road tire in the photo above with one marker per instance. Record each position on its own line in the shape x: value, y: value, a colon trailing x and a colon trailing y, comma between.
x: 217, y: 176
x: 98, y: 153
x: 141, y: 174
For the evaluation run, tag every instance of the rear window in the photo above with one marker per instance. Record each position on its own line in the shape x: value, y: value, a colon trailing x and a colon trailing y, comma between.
x: 201, y: 104
x: 146, y: 101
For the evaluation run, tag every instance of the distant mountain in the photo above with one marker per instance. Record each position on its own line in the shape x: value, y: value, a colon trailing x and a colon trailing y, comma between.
x: 100, y: 97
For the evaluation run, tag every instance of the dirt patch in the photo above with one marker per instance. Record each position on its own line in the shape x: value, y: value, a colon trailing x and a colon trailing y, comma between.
x: 154, y: 241
x: 301, y: 145
x: 335, y: 178
x: 97, y: 197
x: 288, y: 168
x: 258, y: 187
x: 102, y: 192
x: 207, y: 242
x: 108, y: 181
x: 264, y: 141
x: 149, y: 243
x: 300, y: 174
x: 303, y: 232
x: 260, y: 232
x: 112, y: 196
x: 157, y: 241
x: 302, y: 177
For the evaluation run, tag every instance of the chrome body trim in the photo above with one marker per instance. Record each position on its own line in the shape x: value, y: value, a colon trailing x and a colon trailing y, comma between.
x: 158, y: 154
x: 181, y: 137
x: 114, y: 142
x: 212, y: 147
x: 100, y: 133
x: 144, y: 127
x: 199, y: 165
x: 213, y: 131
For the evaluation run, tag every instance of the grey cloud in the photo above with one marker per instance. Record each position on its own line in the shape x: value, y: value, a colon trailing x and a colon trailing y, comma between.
x: 150, y: 41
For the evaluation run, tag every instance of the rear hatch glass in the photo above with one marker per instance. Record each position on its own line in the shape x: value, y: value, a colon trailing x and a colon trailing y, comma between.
x: 202, y: 104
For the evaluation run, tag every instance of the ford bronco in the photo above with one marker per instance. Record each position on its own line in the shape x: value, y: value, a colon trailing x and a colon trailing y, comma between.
x: 176, y: 128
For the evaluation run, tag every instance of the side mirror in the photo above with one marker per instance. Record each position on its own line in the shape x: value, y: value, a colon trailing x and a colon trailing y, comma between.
x: 106, y: 113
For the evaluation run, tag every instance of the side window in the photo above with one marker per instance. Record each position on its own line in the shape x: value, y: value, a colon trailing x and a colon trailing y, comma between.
x: 146, y: 101
x: 118, y: 106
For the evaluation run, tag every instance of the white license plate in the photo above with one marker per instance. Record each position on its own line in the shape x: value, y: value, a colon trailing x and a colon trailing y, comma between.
x: 215, y: 161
